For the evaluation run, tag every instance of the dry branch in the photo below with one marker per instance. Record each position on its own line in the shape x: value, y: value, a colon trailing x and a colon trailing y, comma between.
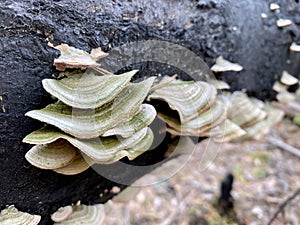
x: 283, y: 205
x: 284, y: 146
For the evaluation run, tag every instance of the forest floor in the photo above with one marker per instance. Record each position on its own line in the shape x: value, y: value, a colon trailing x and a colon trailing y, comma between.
x: 264, y: 177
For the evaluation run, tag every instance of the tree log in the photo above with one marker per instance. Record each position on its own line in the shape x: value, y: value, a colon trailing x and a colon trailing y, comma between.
x: 231, y: 28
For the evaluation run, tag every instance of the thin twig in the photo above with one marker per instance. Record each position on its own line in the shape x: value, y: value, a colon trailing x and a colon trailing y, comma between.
x: 279, y: 143
x: 283, y: 205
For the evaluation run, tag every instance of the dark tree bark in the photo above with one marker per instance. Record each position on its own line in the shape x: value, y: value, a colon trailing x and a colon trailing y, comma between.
x: 233, y: 29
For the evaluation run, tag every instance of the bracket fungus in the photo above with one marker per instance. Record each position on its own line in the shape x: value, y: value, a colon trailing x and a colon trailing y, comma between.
x: 226, y: 132
x: 294, y: 47
x: 223, y: 65
x: 283, y: 23
x: 254, y: 117
x: 282, y: 87
x: 80, y: 214
x: 62, y: 214
x: 195, y: 103
x: 288, y: 79
x: 144, y: 117
x: 92, y: 123
x: 243, y: 111
x: 87, y: 90
x: 279, y: 87
x: 78, y: 165
x: 12, y: 216
x: 274, y: 6
x: 198, y: 126
x: 262, y: 127
x: 100, y: 150
x: 71, y: 57
x: 264, y: 15
x: 51, y: 156
x: 188, y: 99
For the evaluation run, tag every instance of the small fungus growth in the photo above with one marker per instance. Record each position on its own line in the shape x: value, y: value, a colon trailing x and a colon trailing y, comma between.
x: 223, y: 65
x: 79, y: 214
x: 283, y: 23
x: 12, y: 215
x: 294, y: 47
x: 62, y: 214
x: 274, y: 6
x: 75, y: 58
x: 288, y: 79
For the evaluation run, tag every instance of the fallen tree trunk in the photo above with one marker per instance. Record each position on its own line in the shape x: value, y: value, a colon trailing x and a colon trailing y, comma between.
x: 233, y: 29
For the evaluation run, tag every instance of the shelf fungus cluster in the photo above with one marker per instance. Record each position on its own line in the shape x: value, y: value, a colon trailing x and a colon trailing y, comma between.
x: 79, y: 214
x: 199, y: 111
x: 12, y: 215
x: 253, y: 116
x: 97, y: 119
x: 101, y: 118
x: 281, y: 86
x: 288, y: 98
x: 194, y: 109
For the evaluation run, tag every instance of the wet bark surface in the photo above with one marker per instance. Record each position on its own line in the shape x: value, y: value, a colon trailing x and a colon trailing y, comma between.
x: 233, y: 29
